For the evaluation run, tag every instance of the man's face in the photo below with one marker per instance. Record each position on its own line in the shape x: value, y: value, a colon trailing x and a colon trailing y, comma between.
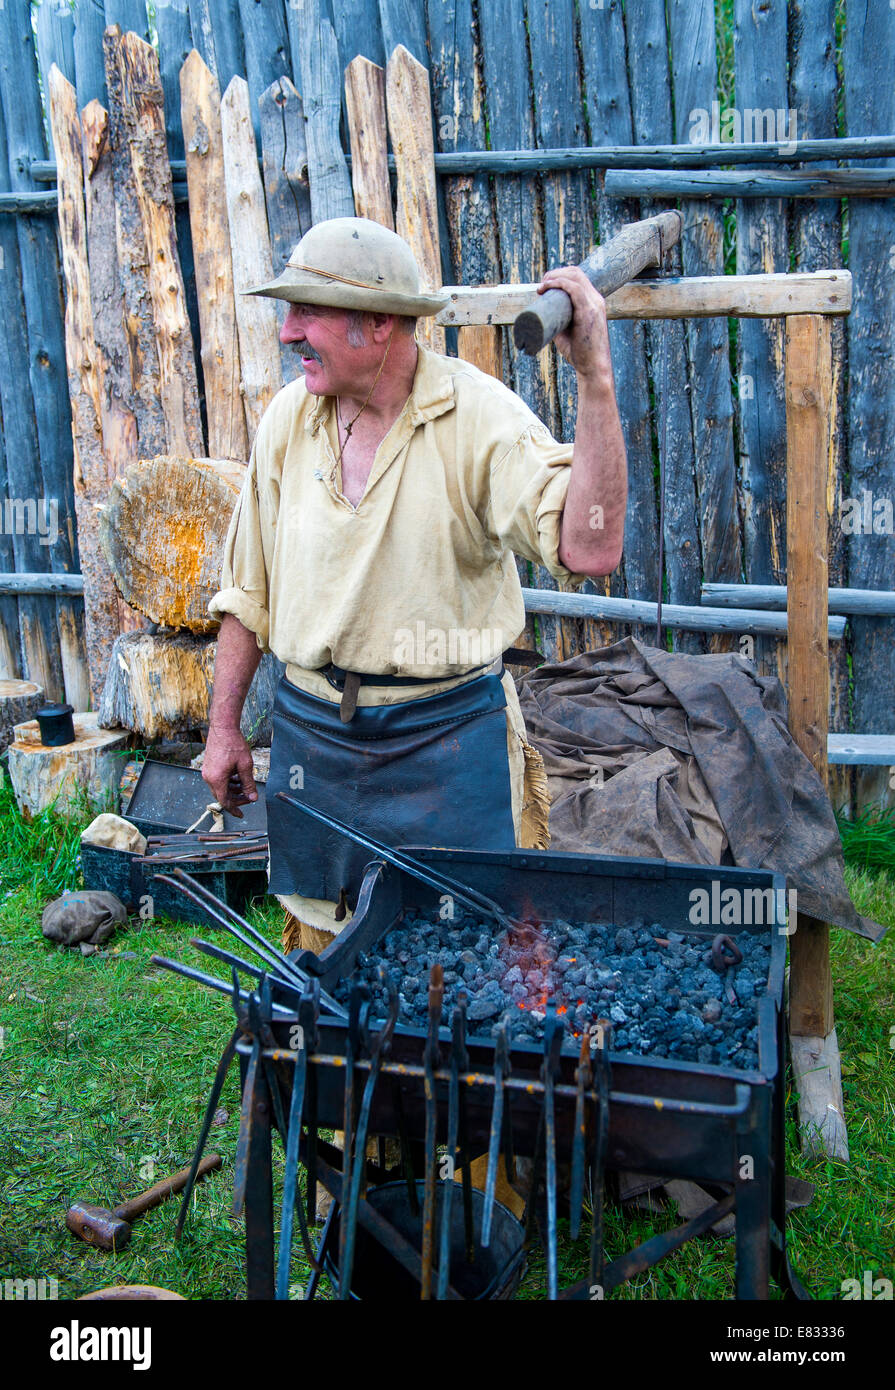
x: 319, y: 335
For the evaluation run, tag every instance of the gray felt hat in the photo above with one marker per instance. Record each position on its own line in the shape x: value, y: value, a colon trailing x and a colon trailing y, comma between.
x: 353, y: 263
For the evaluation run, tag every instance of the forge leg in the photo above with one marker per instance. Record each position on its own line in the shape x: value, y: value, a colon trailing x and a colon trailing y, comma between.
x: 259, y: 1199
x: 753, y: 1201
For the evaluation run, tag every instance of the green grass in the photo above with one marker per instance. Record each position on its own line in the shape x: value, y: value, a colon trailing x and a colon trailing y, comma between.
x: 106, y: 1064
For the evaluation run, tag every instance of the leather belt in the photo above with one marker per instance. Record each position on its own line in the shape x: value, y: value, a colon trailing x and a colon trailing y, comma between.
x: 350, y: 682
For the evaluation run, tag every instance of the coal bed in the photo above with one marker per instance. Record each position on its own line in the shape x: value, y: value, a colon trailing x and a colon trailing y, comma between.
x: 659, y: 989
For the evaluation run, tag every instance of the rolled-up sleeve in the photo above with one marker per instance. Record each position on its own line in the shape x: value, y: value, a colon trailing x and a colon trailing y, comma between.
x: 529, y: 483
x: 244, y: 590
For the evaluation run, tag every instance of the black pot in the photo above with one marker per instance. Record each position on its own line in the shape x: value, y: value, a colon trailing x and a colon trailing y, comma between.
x: 57, y: 726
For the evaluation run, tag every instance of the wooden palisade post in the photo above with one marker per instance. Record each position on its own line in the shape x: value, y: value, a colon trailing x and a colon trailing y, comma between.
x: 809, y: 390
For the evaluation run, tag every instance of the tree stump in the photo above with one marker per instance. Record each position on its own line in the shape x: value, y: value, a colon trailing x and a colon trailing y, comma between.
x: 19, y: 701
x: 163, y: 531
x: 43, y: 776
x: 159, y: 685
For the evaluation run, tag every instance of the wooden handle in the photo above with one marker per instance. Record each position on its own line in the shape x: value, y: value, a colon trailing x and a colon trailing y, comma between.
x: 633, y: 249
x: 157, y: 1194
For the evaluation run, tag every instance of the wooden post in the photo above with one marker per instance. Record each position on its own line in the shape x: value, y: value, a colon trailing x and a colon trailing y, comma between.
x: 266, y: 50
x: 809, y: 393
x: 368, y: 133
x: 318, y: 76
x: 85, y: 382
x: 256, y: 316
x: 201, y: 114
x: 410, y: 126
x: 284, y: 154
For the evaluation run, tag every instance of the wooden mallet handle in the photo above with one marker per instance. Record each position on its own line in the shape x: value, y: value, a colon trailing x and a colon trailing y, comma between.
x: 154, y: 1195
x: 635, y: 248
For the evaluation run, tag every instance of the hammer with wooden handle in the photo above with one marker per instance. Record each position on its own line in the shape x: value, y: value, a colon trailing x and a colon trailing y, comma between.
x: 635, y: 248
x: 111, y: 1230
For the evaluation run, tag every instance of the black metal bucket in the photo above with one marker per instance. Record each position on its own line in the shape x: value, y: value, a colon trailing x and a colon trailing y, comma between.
x: 495, y: 1273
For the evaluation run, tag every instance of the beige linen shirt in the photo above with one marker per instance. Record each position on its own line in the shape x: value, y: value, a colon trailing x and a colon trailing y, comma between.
x: 419, y: 578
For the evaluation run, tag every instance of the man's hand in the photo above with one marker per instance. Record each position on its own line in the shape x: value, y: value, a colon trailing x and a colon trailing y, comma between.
x: 227, y: 768
x: 585, y: 343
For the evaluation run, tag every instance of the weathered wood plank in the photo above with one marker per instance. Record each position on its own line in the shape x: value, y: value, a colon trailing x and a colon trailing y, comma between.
x: 267, y: 55
x: 54, y: 27
x: 404, y: 22
x: 201, y: 115
x: 694, y: 296
x: 40, y: 583
x: 809, y: 371
x: 416, y: 217
x: 651, y: 114
x: 559, y: 120
x: 861, y: 750
x: 85, y: 384
x: 458, y: 100
x: 250, y: 251
x: 217, y: 34
x: 318, y: 71
x: 41, y: 288
x: 608, y: 103
x: 286, y: 187
x: 140, y: 154
x: 507, y: 85
x: 760, y: 55
x: 692, y: 34
x: 742, y: 183
x: 368, y: 136
x: 870, y: 107
x: 90, y: 72
x: 10, y: 646
x: 39, y: 657
x: 359, y: 32
x: 817, y: 241
x: 129, y: 15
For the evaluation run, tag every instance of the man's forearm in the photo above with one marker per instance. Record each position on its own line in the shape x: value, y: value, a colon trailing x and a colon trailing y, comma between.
x: 235, y: 665
x: 593, y: 520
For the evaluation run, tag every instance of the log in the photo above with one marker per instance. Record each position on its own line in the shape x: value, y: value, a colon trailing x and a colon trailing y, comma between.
x: 266, y: 49
x: 85, y: 384
x: 286, y: 188
x: 741, y: 183
x: 140, y: 155
x: 41, y: 584
x: 460, y: 124
x: 318, y: 75
x: 61, y: 777
x: 256, y: 316
x: 19, y: 702
x: 696, y: 296
x: 201, y: 114
x: 816, y: 1066
x: 160, y: 685
x: 809, y: 378
x: 217, y: 34
x: 410, y: 127
x: 674, y: 615
x: 869, y: 603
x: 368, y: 136
x: 163, y: 531
x: 635, y: 248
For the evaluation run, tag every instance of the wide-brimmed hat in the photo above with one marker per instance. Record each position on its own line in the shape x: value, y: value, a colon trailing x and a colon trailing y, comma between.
x: 353, y: 263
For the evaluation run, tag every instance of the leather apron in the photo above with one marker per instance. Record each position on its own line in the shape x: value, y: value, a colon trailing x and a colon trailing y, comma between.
x: 426, y: 772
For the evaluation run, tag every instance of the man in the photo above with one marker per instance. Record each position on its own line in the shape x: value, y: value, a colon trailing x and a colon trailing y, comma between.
x: 372, y: 551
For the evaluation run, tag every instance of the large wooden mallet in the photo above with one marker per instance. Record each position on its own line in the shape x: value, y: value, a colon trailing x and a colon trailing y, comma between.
x: 636, y: 247
x: 111, y: 1229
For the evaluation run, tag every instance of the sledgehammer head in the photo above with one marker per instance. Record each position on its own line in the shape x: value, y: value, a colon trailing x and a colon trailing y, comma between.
x: 98, y: 1226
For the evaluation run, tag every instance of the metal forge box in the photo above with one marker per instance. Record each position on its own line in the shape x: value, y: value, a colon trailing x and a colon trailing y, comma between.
x: 717, y: 1125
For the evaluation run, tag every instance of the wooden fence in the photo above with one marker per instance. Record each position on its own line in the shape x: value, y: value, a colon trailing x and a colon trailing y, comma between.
x: 512, y: 75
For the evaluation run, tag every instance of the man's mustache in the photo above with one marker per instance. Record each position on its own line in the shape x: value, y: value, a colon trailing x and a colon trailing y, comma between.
x: 306, y: 350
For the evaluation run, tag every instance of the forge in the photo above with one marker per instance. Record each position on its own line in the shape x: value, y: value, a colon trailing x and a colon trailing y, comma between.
x: 339, y: 1041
